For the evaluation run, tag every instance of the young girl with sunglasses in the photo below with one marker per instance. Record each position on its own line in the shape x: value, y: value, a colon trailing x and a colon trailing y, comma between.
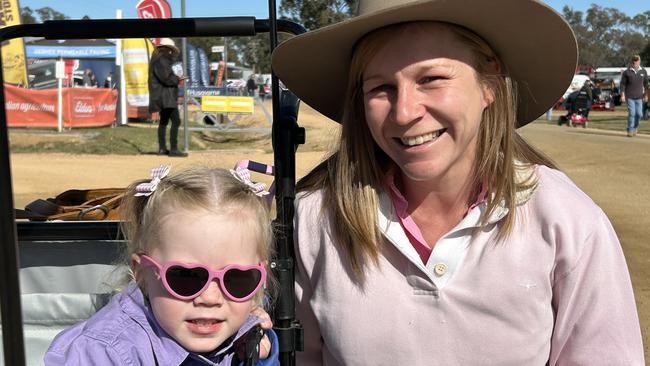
x: 198, y: 242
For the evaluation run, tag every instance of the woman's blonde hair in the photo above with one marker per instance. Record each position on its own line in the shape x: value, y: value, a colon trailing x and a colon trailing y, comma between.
x: 353, y: 175
x: 214, y: 190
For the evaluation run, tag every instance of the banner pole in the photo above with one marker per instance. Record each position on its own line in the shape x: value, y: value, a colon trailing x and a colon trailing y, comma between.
x: 60, y: 74
x: 59, y: 114
x: 186, y: 132
x: 119, y: 62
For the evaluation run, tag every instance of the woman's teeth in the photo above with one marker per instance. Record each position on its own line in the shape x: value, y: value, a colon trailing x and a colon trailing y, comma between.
x: 419, y: 140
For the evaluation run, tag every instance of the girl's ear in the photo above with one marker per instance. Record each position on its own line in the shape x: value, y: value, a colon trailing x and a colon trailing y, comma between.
x: 135, y: 264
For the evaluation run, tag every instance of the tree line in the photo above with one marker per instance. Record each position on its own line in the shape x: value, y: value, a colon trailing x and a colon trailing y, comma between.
x: 605, y: 35
x: 608, y: 37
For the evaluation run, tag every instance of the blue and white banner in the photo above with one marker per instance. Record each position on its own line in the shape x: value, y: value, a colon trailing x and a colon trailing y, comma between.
x: 34, y: 51
x: 193, y: 66
x: 204, y: 67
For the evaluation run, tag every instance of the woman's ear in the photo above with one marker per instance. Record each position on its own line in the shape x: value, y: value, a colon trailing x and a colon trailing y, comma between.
x: 494, y: 69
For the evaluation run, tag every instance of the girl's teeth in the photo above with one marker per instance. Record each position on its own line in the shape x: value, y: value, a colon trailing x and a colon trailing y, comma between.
x: 203, y: 322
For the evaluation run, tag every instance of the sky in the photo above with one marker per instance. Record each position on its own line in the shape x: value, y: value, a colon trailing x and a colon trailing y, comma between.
x: 98, y: 9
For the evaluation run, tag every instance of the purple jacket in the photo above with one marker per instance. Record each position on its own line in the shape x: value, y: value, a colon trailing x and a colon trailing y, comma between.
x: 125, y: 332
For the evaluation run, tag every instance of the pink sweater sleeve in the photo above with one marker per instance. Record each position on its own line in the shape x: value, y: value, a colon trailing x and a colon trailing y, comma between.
x: 596, y: 319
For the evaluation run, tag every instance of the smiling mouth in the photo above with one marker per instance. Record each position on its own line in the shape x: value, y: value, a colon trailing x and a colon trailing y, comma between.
x: 421, y: 139
x: 204, y: 322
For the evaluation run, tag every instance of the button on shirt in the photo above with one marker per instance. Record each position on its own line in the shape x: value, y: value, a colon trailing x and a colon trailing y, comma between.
x: 450, y: 249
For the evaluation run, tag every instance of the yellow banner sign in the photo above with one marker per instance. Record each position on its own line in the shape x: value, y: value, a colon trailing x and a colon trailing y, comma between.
x: 226, y: 104
x: 13, y: 51
x: 136, y: 53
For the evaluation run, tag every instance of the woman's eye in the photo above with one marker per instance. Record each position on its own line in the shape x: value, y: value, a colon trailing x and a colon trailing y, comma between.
x: 378, y: 88
x: 429, y: 79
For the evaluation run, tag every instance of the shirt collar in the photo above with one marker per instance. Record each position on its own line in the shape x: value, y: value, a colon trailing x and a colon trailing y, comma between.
x: 164, y: 346
x: 524, y: 174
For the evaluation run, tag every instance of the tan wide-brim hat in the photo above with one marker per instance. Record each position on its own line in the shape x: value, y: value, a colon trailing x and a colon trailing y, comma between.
x: 536, y: 45
x: 168, y: 42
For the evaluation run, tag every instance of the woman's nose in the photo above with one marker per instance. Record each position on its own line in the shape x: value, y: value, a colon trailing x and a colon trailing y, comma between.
x: 212, y: 296
x: 406, y: 106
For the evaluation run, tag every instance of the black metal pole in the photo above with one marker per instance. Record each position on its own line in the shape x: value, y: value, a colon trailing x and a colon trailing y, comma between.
x: 12, y: 319
x: 286, y: 137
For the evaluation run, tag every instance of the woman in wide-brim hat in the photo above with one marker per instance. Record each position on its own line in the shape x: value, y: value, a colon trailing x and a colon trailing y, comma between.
x: 434, y: 234
x: 163, y: 95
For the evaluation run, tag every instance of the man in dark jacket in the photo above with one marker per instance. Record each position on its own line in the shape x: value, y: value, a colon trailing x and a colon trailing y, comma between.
x: 634, y: 82
x: 163, y: 94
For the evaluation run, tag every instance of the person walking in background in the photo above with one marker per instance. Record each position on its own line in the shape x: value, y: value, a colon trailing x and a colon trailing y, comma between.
x: 251, y: 86
x: 634, y: 82
x: 434, y: 233
x: 163, y: 95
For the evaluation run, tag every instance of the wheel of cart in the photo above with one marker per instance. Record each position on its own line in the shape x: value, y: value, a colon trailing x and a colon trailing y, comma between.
x: 60, y: 266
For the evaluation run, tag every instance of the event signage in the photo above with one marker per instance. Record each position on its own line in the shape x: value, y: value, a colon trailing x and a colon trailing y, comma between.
x: 225, y: 104
x: 40, y: 51
x: 154, y: 9
x: 193, y: 66
x: 135, y: 56
x: 13, y: 51
x: 204, y: 68
x: 82, y: 107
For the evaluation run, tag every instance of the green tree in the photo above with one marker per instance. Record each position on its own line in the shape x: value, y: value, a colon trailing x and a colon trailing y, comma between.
x: 47, y: 13
x: 606, y: 36
x: 31, y: 16
x: 314, y: 14
x: 27, y: 15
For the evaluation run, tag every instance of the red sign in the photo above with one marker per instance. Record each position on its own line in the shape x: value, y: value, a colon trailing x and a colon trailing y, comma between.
x: 154, y: 9
x: 82, y: 107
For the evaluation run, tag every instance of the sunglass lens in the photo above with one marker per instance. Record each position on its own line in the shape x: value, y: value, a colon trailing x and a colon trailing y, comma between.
x: 241, y: 283
x: 186, y: 281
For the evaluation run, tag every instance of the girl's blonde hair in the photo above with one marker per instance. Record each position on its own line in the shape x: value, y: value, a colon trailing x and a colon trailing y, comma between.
x: 353, y: 175
x: 214, y: 190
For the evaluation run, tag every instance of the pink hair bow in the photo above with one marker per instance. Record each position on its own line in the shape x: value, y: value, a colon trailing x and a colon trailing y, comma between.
x: 157, y: 174
x: 243, y: 175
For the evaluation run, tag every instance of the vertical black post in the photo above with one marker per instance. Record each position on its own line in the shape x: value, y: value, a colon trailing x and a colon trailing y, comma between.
x: 286, y: 136
x: 12, y: 320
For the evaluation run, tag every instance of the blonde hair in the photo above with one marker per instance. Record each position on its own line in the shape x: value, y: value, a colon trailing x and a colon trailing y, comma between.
x: 200, y: 188
x: 353, y: 175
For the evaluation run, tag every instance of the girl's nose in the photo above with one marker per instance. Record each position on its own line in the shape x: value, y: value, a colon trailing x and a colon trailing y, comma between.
x: 406, y: 105
x: 212, y: 296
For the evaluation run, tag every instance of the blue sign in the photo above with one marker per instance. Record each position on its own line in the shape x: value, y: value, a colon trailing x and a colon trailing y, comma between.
x: 33, y: 51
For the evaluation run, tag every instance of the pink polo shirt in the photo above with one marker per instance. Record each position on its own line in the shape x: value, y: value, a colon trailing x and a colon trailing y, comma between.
x: 410, y: 227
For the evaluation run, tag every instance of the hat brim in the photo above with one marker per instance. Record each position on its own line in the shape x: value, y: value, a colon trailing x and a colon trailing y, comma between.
x: 536, y: 45
x: 173, y: 48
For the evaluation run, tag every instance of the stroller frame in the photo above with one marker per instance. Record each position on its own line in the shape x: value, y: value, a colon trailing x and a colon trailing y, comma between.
x: 286, y: 136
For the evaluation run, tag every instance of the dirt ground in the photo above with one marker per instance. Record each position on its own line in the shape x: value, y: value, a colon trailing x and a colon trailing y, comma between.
x: 612, y: 168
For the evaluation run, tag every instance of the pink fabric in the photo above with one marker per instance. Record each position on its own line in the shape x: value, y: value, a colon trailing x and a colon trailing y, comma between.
x: 557, y: 292
x: 410, y: 227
